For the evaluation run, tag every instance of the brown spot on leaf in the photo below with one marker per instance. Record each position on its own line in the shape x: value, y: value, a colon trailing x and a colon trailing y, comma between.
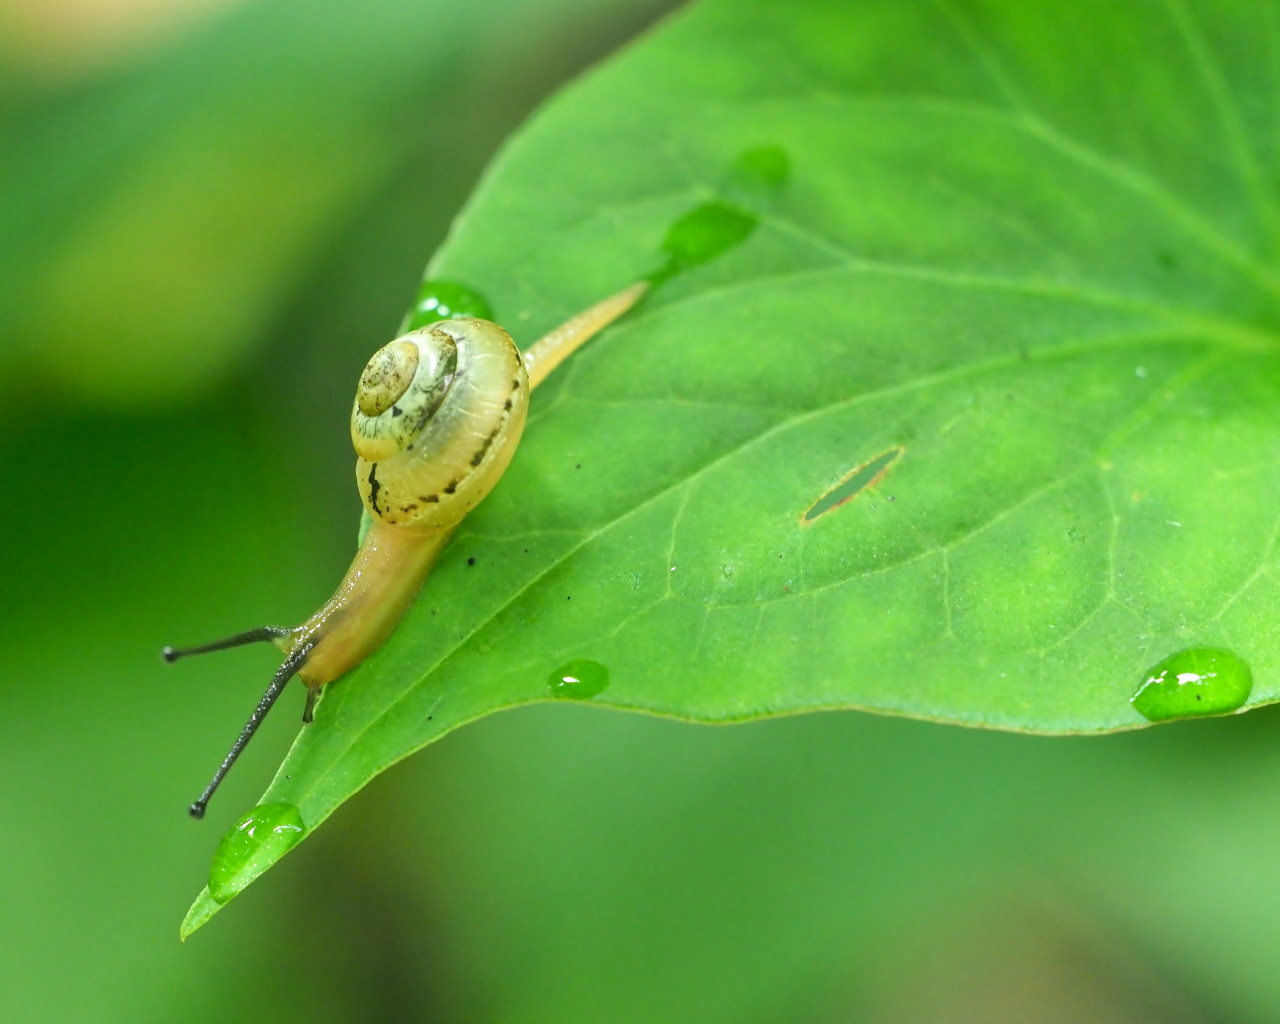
x: 859, y: 479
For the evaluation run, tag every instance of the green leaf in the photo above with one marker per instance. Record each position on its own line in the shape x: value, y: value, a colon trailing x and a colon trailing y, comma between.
x: 1016, y: 305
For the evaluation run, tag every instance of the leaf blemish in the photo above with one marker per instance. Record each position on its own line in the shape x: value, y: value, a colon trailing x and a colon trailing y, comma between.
x: 860, y: 478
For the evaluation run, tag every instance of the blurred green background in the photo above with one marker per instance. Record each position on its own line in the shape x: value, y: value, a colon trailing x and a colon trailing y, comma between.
x: 210, y: 213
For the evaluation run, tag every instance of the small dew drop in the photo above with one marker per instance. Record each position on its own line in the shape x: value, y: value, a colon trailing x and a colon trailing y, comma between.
x: 579, y: 679
x: 255, y: 842
x: 1197, y: 681
x: 751, y: 183
x: 446, y: 300
x: 1140, y: 371
x: 708, y: 230
x: 757, y: 176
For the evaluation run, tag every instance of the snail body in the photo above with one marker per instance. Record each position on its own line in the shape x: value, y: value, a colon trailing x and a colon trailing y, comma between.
x: 437, y: 416
x: 436, y: 420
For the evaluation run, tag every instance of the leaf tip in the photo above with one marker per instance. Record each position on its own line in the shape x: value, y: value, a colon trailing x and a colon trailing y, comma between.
x: 201, y: 910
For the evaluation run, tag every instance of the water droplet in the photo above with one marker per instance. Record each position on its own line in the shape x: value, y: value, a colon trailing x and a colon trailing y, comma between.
x: 578, y: 679
x: 702, y: 234
x: 1197, y: 681
x: 446, y: 300
x: 711, y: 229
x: 257, y: 841
x: 757, y: 176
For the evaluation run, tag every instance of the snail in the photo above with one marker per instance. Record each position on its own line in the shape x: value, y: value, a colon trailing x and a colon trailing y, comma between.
x: 437, y: 416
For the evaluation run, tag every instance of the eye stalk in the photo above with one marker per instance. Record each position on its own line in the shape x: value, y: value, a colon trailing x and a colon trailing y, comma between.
x: 250, y: 636
x: 436, y: 419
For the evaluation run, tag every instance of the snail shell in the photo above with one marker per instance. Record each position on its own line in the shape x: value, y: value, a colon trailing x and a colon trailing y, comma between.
x: 437, y: 416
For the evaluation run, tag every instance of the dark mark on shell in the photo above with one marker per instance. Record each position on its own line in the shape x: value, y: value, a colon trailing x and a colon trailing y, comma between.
x: 374, y: 487
x: 478, y: 457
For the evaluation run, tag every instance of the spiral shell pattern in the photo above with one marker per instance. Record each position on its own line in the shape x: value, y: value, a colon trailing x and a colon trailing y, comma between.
x: 436, y: 419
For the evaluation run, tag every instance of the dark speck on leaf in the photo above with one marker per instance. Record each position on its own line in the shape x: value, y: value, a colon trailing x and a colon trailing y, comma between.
x: 471, y: 561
